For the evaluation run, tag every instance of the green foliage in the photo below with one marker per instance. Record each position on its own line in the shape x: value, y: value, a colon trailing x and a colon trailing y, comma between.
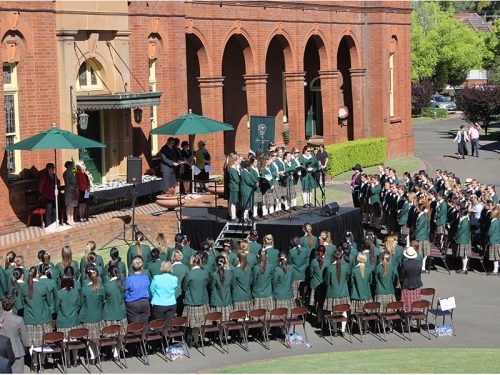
x: 421, y: 95
x: 443, y: 48
x: 367, y: 152
x: 480, y: 104
x: 435, y: 112
x: 492, y: 58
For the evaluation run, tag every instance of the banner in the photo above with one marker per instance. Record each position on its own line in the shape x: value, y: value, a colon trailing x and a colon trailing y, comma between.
x: 261, y: 132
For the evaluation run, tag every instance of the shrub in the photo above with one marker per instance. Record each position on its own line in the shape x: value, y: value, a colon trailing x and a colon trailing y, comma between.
x: 367, y: 152
x: 421, y: 95
x: 480, y: 104
x: 435, y: 112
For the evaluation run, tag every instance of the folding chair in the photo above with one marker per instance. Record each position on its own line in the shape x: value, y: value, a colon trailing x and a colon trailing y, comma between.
x: 339, y: 314
x: 78, y: 339
x: 52, y: 343
x: 430, y: 293
x: 155, y: 333
x: 135, y: 335
x: 392, y: 314
x: 371, y: 313
x: 236, y: 323
x: 110, y: 337
x: 419, y: 311
x: 212, y: 324
x: 298, y: 317
x: 438, y: 254
x: 278, y: 318
x: 257, y: 319
x: 178, y: 330
x: 476, y: 256
x: 439, y: 312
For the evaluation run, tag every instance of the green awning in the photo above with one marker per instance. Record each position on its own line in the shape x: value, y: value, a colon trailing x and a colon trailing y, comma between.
x: 123, y: 100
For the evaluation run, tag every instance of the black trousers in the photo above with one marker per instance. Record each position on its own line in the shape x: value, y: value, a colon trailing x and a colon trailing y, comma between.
x: 138, y: 311
x: 166, y: 313
x: 355, y: 199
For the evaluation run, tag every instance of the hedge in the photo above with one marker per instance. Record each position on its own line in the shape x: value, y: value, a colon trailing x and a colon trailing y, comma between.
x: 367, y: 152
x: 435, y: 112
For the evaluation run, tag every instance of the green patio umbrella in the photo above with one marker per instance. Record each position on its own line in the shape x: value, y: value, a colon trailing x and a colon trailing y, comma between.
x: 55, y: 139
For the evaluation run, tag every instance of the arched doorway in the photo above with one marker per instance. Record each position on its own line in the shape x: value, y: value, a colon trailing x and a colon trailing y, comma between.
x: 344, y: 65
x: 193, y: 47
x: 312, y: 88
x: 234, y: 94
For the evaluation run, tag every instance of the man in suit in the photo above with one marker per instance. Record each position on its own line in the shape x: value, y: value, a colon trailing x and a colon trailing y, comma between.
x: 15, y: 330
x: 6, y: 352
x: 169, y: 161
x: 356, y: 184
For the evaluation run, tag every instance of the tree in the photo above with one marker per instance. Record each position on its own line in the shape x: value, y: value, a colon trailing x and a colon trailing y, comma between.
x: 421, y: 94
x: 480, y: 104
x: 492, y: 58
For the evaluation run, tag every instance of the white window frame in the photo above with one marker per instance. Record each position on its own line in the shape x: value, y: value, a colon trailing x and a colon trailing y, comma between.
x: 391, y: 84
x: 13, y: 89
x: 154, y: 111
x: 90, y: 65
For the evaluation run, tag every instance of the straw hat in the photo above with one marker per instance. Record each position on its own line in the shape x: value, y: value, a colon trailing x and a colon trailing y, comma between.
x: 410, y: 253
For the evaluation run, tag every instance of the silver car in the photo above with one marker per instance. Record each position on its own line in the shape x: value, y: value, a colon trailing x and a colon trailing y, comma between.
x: 440, y: 101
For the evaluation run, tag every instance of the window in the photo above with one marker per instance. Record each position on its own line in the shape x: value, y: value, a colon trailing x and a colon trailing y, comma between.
x: 153, y: 116
x: 88, y: 77
x: 391, y: 85
x: 11, y: 109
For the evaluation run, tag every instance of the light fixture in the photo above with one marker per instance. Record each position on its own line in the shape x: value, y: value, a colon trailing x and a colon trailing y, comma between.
x: 305, y: 83
x: 83, y: 120
x: 244, y: 88
x: 138, y: 115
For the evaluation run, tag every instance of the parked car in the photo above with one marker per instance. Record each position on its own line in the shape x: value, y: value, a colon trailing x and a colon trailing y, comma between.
x: 440, y: 101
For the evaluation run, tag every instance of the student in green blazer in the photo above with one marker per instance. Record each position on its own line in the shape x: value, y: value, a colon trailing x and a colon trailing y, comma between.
x: 3, y: 283
x: 15, y: 288
x: 374, y: 191
x: 114, y: 310
x: 422, y: 232
x: 180, y: 271
x: 493, y: 236
x: 90, y: 248
x: 262, y: 289
x: 385, y: 276
x: 337, y: 290
x: 308, y: 240
x: 317, y: 268
x: 441, y: 215
x: 403, y: 209
x: 54, y: 271
x: 272, y: 253
x: 115, y: 260
x: 220, y: 288
x: 360, y: 284
x: 372, y: 258
x: 36, y: 300
x: 91, y: 261
x: 46, y: 279
x: 248, y: 181
x: 298, y: 261
x: 254, y: 246
x: 282, y: 285
x: 241, y: 288
x: 308, y: 179
x: 234, y: 186
x: 251, y: 258
x: 196, y: 301
x: 462, y: 239
x: 155, y: 263
x: 139, y: 249
x: 325, y: 239
x: 67, y: 261
x: 396, y: 251
x: 67, y: 303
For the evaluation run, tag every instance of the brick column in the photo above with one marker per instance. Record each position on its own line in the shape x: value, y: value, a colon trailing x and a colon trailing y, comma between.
x: 330, y: 106
x: 294, y: 82
x: 212, y: 107
x: 256, y: 94
x: 358, y: 102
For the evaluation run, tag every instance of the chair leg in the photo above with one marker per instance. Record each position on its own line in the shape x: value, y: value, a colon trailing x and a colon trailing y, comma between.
x: 305, y: 332
x: 382, y: 321
x: 202, y: 337
x: 145, y: 351
x: 29, y: 220
x: 446, y: 265
x: 226, y: 334
x: 408, y: 328
x: 220, y: 341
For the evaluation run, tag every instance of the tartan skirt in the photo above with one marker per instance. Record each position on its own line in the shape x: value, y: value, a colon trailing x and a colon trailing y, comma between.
x: 269, y: 198
x: 243, y: 305
x: 286, y: 303
x: 494, y: 252
x: 358, y: 305
x: 296, y: 288
x: 440, y: 229
x: 290, y: 193
x: 266, y: 303
x: 330, y: 302
x: 122, y: 323
x: 34, y: 333
x: 225, y: 310
x: 195, y: 315
x: 408, y: 296
x: 298, y: 187
x: 94, y: 329
x: 279, y: 190
x: 424, y: 247
x: 384, y: 299
x: 464, y: 249
x: 257, y: 196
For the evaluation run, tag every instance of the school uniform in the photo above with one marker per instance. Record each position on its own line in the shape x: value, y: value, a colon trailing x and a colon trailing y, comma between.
x: 132, y: 253
x: 196, y: 301
x: 91, y: 310
x: 337, y: 292
x: 52, y: 288
x: 316, y: 282
x: 154, y: 268
x: 241, y: 289
x: 360, y: 288
x: 422, y: 230
x: 254, y: 247
x: 374, y: 201
x: 272, y: 256
x: 180, y: 271
x: 248, y: 181
x: 262, y: 287
x: 74, y: 265
x: 114, y: 311
x: 98, y: 262
x: 276, y: 167
x: 403, y: 210
x: 304, y: 243
x: 297, y: 185
x: 37, y: 314
x: 220, y: 293
x: 287, y: 181
x: 441, y: 216
x: 308, y: 179
x: 234, y: 185
x: 384, y: 289
x: 282, y: 288
x: 494, y: 240
x: 68, y: 303
x: 462, y: 237
x: 121, y: 268
x: 187, y: 253
x: 299, y: 261
x: 363, y: 201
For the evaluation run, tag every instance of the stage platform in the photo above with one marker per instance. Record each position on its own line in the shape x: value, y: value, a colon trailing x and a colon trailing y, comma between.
x: 198, y: 223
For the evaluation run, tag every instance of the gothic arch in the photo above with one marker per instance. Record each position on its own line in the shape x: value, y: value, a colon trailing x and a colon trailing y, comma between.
x: 320, y: 40
x: 200, y: 44
x: 247, y: 45
x: 353, y: 44
x: 286, y: 43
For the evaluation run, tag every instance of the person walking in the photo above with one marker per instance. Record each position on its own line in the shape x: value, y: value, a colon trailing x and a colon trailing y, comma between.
x: 461, y: 139
x: 13, y: 327
x: 474, y: 138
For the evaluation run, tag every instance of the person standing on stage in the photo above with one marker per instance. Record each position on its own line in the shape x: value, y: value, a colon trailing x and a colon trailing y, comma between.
x: 203, y: 161
x: 248, y: 183
x: 356, y: 185
x: 308, y: 180
x: 281, y: 188
x: 257, y: 192
x: 267, y: 188
x: 277, y: 188
x: 297, y: 185
x: 169, y: 161
x: 234, y: 186
x: 322, y: 158
x: 46, y: 188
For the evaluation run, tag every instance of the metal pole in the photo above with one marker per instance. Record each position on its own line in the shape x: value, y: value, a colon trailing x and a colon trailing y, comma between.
x: 56, y: 191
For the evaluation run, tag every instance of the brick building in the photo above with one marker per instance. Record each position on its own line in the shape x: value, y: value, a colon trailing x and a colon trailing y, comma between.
x: 298, y: 61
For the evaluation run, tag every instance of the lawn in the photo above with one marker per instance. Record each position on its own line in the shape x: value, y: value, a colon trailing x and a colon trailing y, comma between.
x: 411, y: 164
x: 456, y: 361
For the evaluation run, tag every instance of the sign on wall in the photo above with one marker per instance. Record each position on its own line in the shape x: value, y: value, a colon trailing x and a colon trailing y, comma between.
x: 261, y: 132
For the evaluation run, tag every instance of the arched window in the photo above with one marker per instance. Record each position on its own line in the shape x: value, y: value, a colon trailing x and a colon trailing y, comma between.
x: 89, y: 76
x: 392, y: 52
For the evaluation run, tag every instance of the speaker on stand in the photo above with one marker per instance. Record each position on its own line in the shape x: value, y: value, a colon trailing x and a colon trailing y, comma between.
x: 134, y: 170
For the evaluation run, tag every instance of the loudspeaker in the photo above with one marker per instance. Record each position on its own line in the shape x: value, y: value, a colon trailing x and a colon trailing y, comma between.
x: 134, y: 170
x: 330, y: 209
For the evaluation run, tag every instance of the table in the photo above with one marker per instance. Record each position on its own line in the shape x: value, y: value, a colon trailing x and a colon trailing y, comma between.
x: 120, y: 189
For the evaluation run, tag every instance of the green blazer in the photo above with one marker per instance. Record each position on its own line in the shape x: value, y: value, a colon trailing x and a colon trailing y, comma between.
x: 233, y: 259
x: 52, y: 288
x: 247, y: 183
x: 254, y: 247
x: 67, y: 308
x: 75, y: 266
x: 180, y: 271
x: 220, y: 295
x: 303, y: 242
x: 397, y: 256
x: 385, y: 284
x: 100, y: 270
x: 132, y: 253
x: 252, y: 260
x: 334, y: 288
x: 194, y: 286
x: 209, y: 266
x: 121, y: 267
x: 272, y: 256
x: 154, y: 267
x: 299, y: 262
x: 241, y: 287
x: 330, y: 249
x: 92, y: 303
x: 462, y: 235
x: 403, y: 213
x: 37, y: 308
x: 422, y: 228
x: 187, y: 253
x: 494, y: 232
x: 308, y: 179
x: 98, y: 261
x: 317, y: 273
x: 234, y: 185
x: 3, y: 283
x: 360, y: 287
x: 374, y: 194
x: 282, y: 284
x: 441, y: 213
x: 114, y: 303
x: 262, y: 282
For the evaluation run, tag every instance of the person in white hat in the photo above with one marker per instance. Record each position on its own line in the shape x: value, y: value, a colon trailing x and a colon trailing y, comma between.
x: 409, y: 277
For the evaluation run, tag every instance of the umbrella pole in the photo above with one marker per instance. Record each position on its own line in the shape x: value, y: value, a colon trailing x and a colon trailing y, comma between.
x: 191, y: 139
x: 56, y: 190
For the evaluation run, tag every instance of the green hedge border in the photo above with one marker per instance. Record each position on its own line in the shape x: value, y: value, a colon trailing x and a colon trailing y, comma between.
x: 367, y: 152
x: 435, y: 112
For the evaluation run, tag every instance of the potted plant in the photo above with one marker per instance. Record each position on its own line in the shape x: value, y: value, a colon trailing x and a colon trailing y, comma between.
x: 217, y: 186
x: 169, y: 200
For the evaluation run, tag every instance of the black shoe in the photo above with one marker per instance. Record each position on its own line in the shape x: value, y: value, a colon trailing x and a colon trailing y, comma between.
x: 459, y: 271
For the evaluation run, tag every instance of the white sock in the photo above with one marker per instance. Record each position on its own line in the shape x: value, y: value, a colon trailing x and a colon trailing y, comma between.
x: 495, y: 266
x: 264, y: 210
x: 271, y: 209
x: 286, y: 205
x: 232, y: 210
x: 343, y: 324
x: 424, y: 261
x: 304, y: 197
x: 245, y: 214
x: 255, y: 212
x: 465, y: 261
x: 294, y: 202
x: 309, y: 197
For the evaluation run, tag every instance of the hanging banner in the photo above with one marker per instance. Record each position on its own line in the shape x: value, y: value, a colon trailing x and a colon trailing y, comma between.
x: 261, y: 132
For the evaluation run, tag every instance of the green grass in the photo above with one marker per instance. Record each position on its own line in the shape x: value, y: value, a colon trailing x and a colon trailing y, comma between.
x: 456, y: 361
x: 422, y: 120
x: 401, y: 165
x: 331, y: 195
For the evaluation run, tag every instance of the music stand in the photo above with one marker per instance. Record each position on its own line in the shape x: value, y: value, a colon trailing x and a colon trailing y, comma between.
x: 286, y: 176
